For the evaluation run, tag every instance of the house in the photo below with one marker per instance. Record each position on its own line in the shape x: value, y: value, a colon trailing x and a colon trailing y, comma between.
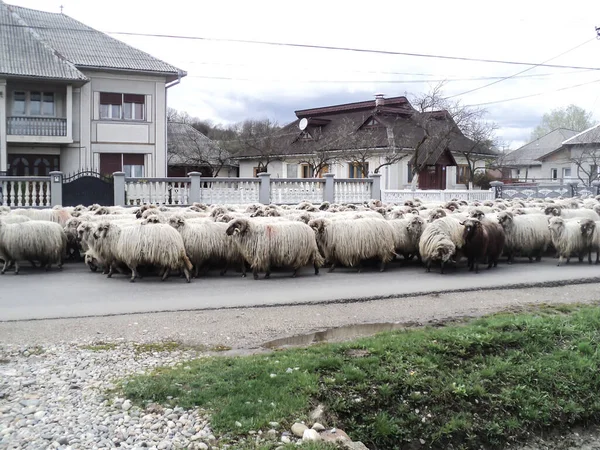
x: 576, y: 159
x: 525, y: 163
x: 73, y: 98
x: 189, y: 150
x: 353, y: 140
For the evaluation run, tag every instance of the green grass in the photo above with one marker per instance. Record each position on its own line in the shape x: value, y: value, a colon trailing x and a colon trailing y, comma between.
x: 100, y: 346
x: 486, y: 383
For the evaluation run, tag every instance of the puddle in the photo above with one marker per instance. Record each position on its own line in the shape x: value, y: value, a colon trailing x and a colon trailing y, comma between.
x: 335, y: 334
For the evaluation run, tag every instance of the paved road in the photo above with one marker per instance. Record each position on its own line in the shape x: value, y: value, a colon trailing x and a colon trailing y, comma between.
x: 77, y: 292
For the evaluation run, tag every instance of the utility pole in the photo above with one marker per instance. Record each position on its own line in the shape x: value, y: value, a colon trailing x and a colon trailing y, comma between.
x: 597, y: 32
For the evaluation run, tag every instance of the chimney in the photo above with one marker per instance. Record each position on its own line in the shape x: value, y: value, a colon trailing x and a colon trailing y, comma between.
x: 379, y: 99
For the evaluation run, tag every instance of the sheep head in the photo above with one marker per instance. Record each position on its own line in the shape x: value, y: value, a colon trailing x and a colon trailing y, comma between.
x: 556, y: 224
x: 471, y: 227
x: 415, y: 226
x: 152, y: 219
x: 101, y: 230
x: 318, y: 225
x: 436, y: 214
x: 176, y: 221
x: 237, y: 227
x: 324, y: 206
x: 505, y: 219
x: 477, y: 214
x: 587, y: 226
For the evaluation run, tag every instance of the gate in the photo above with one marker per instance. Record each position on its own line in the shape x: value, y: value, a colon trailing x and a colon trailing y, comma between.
x: 86, y: 188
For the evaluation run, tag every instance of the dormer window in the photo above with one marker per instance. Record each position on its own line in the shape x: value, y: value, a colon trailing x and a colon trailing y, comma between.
x: 371, y: 123
x: 305, y: 136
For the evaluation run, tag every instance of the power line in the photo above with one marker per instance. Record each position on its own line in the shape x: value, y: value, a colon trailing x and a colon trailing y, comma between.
x: 534, y: 95
x: 522, y: 71
x: 307, y: 46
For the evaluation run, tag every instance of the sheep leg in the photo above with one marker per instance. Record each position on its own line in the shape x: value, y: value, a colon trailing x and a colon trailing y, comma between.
x: 382, y: 266
x: 17, y: 267
x: 134, y: 274
x: 597, y: 257
x: 111, y: 270
x: 33, y: 264
x: 255, y: 273
x: 165, y: 274
x: 295, y: 273
x: 196, y: 271
x: 268, y: 273
x: 476, y: 265
x: 6, y: 264
x: 332, y: 268
x: 590, y: 257
x: 359, y: 267
x: 428, y: 266
x: 187, y: 274
x: 560, y: 260
x: 316, y: 268
x: 441, y: 267
x: 243, y: 269
x: 223, y: 272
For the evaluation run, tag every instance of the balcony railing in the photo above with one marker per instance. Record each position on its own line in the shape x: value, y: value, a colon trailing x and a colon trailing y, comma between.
x: 36, y: 126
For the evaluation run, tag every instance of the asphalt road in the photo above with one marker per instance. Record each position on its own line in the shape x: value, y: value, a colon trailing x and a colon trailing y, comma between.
x: 77, y: 292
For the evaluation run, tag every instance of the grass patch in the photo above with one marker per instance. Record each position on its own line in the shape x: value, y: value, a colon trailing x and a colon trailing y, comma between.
x: 156, y: 347
x: 100, y: 346
x: 487, y: 383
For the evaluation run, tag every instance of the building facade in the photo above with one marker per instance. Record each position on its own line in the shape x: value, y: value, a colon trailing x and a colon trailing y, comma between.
x: 78, y: 99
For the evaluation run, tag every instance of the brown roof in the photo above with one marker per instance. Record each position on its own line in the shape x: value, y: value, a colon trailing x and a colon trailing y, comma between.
x: 356, y: 106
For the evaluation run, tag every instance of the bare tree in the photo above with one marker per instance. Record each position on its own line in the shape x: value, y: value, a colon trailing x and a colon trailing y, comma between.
x: 442, y: 120
x: 258, y: 138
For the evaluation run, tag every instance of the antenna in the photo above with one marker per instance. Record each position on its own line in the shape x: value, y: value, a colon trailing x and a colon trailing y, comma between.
x: 61, y: 9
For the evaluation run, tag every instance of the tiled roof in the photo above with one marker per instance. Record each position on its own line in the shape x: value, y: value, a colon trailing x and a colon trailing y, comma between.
x: 75, y: 42
x: 529, y: 154
x: 589, y: 136
x: 396, y: 102
x: 23, y: 53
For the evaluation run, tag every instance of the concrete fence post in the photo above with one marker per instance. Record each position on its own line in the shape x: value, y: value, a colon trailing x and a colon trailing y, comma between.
x: 119, y: 187
x: 573, y: 185
x: 596, y: 185
x: 497, y: 185
x: 194, y: 187
x: 329, y: 191
x: 376, y: 186
x: 56, y: 182
x: 264, y: 193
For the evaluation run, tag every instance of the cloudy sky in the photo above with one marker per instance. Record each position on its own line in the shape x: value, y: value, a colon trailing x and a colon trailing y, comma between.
x: 231, y: 81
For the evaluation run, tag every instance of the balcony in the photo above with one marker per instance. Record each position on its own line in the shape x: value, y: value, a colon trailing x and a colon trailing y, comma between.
x: 38, y: 129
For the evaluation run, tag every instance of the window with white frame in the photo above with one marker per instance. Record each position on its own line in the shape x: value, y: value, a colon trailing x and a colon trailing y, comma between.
x: 566, y: 172
x: 33, y: 103
x: 116, y: 106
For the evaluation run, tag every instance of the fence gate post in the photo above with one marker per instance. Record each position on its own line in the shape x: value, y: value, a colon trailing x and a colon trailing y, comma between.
x: 264, y: 193
x: 194, y: 187
x: 329, y: 191
x: 497, y: 185
x: 376, y: 186
x: 119, y: 186
x: 56, y: 181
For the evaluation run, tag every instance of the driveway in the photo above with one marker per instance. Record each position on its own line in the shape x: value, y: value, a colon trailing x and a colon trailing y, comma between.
x: 77, y: 292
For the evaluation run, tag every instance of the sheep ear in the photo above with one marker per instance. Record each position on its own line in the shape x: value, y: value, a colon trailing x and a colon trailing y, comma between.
x: 462, y: 222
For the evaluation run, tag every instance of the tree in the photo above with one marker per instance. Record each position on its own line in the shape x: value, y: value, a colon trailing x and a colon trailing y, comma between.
x: 442, y: 121
x: 572, y: 117
x: 258, y: 138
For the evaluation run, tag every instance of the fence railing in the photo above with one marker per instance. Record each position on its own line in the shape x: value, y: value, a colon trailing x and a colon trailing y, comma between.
x: 236, y: 191
x: 25, y: 191
x: 163, y: 191
x: 36, y: 126
x: 433, y: 195
x: 546, y: 190
x: 296, y: 190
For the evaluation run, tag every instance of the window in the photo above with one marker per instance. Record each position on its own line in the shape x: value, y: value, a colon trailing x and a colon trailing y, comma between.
x: 554, y: 174
x: 566, y: 173
x: 257, y: 170
x: 34, y: 103
x: 292, y: 170
x: 371, y: 123
x: 130, y: 163
x: 115, y: 106
x: 355, y: 170
x: 462, y: 174
x: 19, y: 103
x: 306, y: 171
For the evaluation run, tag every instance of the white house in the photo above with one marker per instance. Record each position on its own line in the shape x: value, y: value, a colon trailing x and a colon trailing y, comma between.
x: 383, y: 130
x: 73, y: 98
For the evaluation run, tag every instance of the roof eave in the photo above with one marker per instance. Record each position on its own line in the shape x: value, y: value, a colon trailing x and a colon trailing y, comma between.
x: 12, y: 76
x: 170, y: 76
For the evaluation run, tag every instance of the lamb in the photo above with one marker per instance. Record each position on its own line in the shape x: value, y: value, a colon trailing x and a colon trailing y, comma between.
x: 572, y: 237
x: 152, y: 243
x: 33, y: 240
x: 349, y: 242
x: 266, y: 245
x: 207, y: 242
x: 526, y: 234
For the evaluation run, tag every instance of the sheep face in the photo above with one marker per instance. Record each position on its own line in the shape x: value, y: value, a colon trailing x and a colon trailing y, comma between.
x: 436, y: 214
x: 505, y: 219
x: 237, y: 227
x: 177, y: 222
x: 101, y: 230
x: 471, y: 228
x: 318, y: 225
x: 324, y: 206
x: 477, y: 214
x: 224, y: 218
x: 152, y: 219
x: 587, y: 226
x: 415, y: 226
x: 556, y: 224
x: 552, y: 210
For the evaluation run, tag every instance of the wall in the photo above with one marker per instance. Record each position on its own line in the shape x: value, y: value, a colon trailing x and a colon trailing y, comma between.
x: 147, y: 136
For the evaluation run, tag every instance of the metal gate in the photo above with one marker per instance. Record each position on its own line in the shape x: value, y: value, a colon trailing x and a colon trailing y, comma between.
x: 86, y: 188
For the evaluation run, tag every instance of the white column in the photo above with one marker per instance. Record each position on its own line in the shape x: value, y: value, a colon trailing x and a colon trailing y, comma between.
x: 69, y: 103
x: 3, y: 146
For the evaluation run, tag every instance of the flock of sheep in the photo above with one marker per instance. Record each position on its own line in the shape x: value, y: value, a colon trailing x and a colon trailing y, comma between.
x: 188, y: 240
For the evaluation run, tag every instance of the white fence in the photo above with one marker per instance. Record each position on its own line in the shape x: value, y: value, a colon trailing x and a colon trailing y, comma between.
x: 400, y: 196
x: 229, y: 191
x: 161, y: 191
x: 351, y: 190
x: 25, y: 191
x: 296, y: 190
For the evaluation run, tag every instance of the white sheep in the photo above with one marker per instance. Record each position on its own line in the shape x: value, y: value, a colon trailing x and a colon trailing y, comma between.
x: 526, y: 235
x: 206, y: 242
x: 407, y: 232
x: 349, y: 242
x: 566, y: 213
x: 440, y: 241
x: 265, y: 245
x: 33, y: 240
x: 572, y: 237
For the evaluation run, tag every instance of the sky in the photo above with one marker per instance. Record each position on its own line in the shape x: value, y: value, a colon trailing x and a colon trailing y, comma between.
x: 228, y: 82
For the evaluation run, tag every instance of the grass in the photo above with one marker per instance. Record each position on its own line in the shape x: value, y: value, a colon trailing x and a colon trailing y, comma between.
x: 100, y: 346
x: 487, y: 383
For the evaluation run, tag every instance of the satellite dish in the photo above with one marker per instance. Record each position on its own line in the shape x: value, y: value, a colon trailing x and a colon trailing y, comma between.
x: 303, y: 123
